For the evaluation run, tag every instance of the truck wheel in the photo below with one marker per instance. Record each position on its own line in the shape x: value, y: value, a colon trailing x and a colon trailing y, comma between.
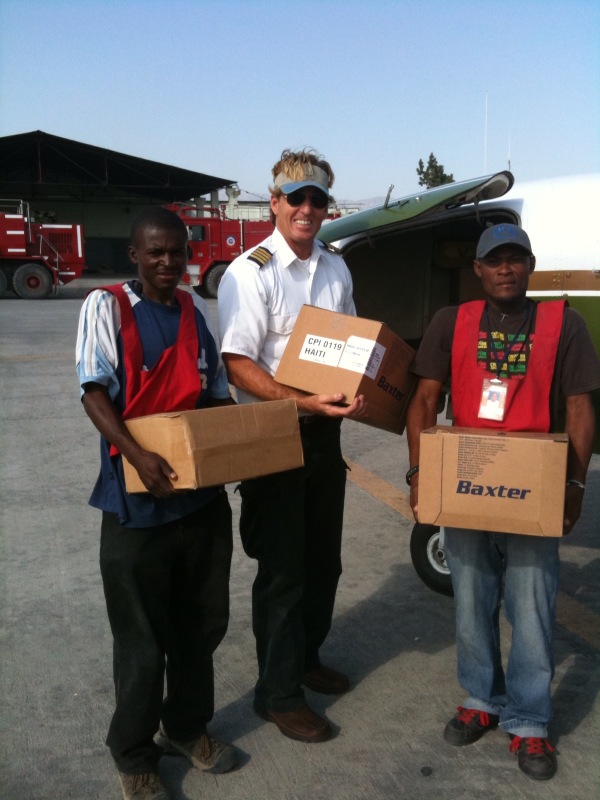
x: 429, y: 560
x: 3, y: 283
x: 32, y: 282
x: 212, y: 279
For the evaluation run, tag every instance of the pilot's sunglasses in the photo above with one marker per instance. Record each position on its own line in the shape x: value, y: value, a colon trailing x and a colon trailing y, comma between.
x: 316, y: 199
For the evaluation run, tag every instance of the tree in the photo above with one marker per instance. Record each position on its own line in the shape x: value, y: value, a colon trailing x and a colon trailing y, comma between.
x: 433, y: 174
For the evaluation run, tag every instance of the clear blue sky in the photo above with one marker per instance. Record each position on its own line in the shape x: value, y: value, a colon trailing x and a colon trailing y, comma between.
x: 223, y: 86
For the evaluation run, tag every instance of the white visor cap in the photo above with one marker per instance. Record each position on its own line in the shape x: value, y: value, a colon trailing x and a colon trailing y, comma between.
x: 313, y: 176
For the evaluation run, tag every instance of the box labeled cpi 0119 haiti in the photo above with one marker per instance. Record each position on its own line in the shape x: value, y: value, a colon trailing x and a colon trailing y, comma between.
x: 212, y: 446
x: 493, y: 480
x: 329, y: 352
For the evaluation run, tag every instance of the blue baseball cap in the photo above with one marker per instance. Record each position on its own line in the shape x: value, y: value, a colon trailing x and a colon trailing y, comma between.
x: 501, y: 234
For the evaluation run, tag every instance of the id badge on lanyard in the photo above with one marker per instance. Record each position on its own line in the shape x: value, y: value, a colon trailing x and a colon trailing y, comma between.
x: 492, y: 402
x: 493, y: 399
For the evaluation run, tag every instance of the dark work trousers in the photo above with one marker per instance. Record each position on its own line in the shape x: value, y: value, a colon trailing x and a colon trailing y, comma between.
x: 167, y: 596
x: 291, y: 522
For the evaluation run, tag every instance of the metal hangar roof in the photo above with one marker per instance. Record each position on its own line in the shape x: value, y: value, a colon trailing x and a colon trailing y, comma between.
x: 40, y: 166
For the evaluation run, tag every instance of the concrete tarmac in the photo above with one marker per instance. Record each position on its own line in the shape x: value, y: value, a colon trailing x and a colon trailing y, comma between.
x: 391, y: 634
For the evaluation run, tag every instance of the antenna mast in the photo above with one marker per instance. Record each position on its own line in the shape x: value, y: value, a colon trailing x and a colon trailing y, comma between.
x: 485, y: 134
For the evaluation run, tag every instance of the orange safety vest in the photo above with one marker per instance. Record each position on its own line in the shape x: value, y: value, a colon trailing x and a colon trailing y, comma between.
x: 173, y: 383
x: 527, y: 406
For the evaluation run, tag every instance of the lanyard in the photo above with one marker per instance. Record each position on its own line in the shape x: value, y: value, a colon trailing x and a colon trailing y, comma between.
x: 508, y: 348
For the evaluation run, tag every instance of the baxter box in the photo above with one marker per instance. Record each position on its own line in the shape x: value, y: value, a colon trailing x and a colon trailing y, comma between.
x: 211, y: 446
x: 329, y: 352
x: 493, y: 480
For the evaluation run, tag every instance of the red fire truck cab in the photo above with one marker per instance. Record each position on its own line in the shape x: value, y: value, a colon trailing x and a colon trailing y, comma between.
x: 216, y: 239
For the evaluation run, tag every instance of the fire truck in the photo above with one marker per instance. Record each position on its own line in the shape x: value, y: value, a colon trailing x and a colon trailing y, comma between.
x: 36, y: 257
x: 217, y: 235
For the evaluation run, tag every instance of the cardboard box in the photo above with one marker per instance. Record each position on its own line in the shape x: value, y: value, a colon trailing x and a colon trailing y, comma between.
x: 330, y: 352
x: 493, y: 480
x: 212, y: 446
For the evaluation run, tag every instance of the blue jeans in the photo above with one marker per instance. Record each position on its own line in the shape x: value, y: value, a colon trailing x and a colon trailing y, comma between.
x: 478, y: 561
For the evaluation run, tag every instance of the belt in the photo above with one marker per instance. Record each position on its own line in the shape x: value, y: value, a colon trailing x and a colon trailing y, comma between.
x: 318, y: 420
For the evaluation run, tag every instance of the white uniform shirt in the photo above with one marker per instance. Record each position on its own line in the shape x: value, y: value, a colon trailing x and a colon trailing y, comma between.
x: 259, y: 305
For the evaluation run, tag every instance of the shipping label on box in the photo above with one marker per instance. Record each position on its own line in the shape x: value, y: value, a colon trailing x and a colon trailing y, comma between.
x: 362, y: 355
x: 213, y: 446
x: 357, y: 354
x: 329, y: 352
x: 321, y: 350
x: 489, y: 480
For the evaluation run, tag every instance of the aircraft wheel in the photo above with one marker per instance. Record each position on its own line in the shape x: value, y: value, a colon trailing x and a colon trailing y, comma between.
x: 429, y: 559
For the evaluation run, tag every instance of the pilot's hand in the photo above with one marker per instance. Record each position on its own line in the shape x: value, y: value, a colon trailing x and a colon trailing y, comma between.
x: 332, y: 405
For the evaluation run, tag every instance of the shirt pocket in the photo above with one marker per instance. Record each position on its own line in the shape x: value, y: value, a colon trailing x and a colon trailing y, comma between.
x: 282, y: 324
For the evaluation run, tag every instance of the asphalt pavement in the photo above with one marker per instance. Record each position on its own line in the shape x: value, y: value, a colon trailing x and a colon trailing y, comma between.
x: 391, y: 634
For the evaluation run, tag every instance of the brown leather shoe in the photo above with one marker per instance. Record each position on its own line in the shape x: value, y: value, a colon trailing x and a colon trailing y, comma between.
x: 304, y: 725
x: 325, y: 680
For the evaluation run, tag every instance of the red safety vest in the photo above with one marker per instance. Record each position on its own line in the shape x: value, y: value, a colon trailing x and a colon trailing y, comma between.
x: 173, y: 383
x: 527, y: 406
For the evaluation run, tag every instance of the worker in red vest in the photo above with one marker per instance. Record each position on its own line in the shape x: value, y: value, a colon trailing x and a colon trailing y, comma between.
x: 511, y: 363
x: 146, y: 347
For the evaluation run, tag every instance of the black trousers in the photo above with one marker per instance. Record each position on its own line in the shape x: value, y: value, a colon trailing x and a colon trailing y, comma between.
x: 167, y: 597
x: 291, y: 522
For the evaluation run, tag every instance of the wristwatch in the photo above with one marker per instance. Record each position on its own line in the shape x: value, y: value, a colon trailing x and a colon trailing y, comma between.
x: 412, y: 471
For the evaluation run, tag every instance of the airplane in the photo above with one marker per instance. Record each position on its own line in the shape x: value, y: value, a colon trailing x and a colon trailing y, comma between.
x: 411, y: 256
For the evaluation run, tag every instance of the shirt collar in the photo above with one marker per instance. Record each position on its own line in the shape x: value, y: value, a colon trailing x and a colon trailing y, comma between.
x: 286, y: 254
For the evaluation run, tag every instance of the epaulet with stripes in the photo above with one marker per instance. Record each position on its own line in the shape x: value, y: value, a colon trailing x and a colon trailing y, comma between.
x: 260, y: 256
